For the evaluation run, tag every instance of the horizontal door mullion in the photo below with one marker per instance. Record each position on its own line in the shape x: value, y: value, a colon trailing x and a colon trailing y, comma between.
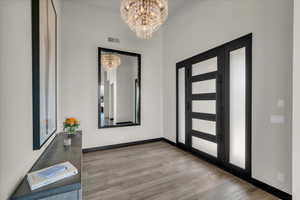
x: 206, y: 96
x: 205, y: 136
x: 204, y: 116
x: 204, y: 77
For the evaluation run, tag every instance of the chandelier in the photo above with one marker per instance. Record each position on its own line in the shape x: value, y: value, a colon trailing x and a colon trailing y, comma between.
x: 144, y: 17
x: 110, y: 61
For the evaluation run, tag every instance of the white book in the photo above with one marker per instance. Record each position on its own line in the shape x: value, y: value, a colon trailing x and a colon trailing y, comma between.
x: 43, y: 177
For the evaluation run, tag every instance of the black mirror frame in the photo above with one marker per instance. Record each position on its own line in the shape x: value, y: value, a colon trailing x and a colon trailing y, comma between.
x: 100, y: 49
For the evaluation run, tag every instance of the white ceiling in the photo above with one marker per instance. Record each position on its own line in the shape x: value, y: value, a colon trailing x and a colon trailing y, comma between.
x: 114, y: 5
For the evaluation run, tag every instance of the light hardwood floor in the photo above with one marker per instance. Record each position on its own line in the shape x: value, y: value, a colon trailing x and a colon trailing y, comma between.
x: 159, y: 171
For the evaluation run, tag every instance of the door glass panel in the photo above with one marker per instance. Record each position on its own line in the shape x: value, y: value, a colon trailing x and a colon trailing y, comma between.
x: 204, y: 106
x: 237, y: 107
x: 181, y: 105
x: 202, y: 87
x: 206, y: 66
x: 204, y: 126
x: 205, y: 146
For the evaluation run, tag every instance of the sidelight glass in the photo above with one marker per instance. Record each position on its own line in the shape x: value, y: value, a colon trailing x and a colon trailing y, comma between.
x: 238, y: 107
x: 181, y: 105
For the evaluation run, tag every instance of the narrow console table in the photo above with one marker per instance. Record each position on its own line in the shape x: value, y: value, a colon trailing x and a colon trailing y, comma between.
x: 66, y: 189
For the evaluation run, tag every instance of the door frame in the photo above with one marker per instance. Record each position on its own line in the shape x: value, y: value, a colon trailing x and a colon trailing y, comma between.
x: 223, y: 76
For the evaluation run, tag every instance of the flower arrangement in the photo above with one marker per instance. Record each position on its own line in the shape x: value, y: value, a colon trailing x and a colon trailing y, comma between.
x: 71, y: 125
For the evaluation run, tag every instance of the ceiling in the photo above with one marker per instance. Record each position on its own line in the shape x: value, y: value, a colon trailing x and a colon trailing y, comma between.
x: 114, y: 5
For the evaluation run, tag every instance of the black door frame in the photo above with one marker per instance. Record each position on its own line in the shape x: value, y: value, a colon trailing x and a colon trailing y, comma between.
x: 222, y: 97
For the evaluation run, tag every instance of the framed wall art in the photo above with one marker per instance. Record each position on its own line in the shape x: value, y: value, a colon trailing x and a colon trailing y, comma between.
x: 44, y: 71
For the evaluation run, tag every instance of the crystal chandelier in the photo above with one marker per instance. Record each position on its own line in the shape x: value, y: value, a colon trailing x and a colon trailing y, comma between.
x: 110, y: 61
x: 144, y: 17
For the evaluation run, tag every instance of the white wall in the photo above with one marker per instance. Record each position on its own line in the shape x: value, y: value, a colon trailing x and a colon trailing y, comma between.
x: 202, y: 25
x: 16, y: 154
x: 296, y: 104
x: 84, y: 28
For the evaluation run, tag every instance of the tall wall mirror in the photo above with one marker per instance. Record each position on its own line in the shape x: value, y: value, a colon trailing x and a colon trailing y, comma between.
x: 119, y: 88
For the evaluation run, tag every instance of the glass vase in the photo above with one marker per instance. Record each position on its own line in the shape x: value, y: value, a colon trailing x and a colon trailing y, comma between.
x: 67, y: 140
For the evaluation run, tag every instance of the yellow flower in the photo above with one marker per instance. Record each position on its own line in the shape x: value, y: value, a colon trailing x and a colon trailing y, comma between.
x: 71, y: 121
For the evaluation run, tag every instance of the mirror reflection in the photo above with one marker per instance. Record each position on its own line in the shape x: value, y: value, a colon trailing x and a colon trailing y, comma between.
x: 119, y: 89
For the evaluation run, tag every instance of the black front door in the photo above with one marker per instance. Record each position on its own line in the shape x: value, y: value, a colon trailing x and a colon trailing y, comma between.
x: 214, y: 105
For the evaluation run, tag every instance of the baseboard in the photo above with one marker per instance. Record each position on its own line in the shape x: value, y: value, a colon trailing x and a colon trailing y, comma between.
x: 268, y: 188
x: 169, y: 142
x: 115, y: 146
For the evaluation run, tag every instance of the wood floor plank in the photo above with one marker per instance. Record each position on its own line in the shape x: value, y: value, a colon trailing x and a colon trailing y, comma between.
x: 159, y: 171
